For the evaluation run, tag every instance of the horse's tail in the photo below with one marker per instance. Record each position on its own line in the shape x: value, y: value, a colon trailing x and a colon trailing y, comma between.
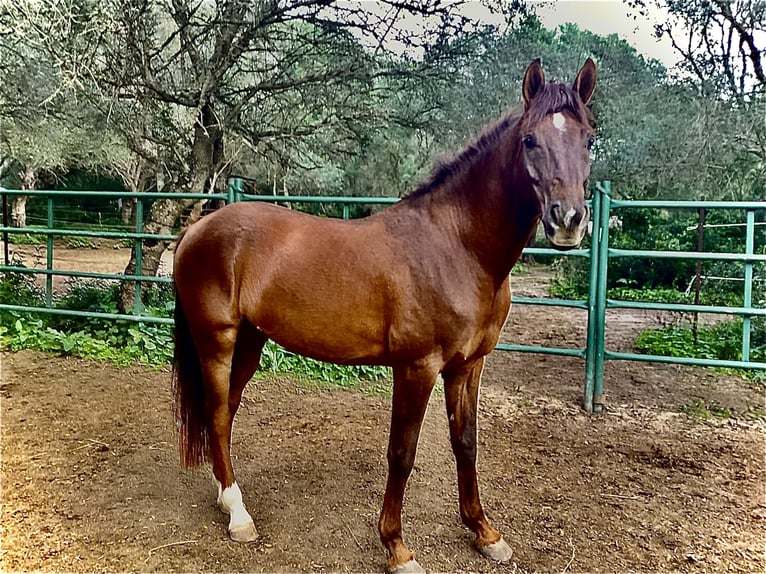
x: 189, y: 395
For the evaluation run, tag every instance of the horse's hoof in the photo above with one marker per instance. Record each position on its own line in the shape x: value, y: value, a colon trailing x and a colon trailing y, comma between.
x: 411, y: 567
x: 246, y: 533
x: 498, y: 551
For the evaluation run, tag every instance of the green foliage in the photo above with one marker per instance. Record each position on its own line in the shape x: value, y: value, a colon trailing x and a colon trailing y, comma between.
x: 18, y: 289
x: 658, y: 295
x: 667, y: 280
x: 26, y: 239
x: 279, y: 360
x: 698, y: 410
x: 721, y: 340
x: 77, y: 242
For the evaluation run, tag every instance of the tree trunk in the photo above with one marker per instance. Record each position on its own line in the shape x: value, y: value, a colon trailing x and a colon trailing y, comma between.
x: 128, y: 210
x: 19, y: 206
x: 206, y: 172
x: 19, y: 211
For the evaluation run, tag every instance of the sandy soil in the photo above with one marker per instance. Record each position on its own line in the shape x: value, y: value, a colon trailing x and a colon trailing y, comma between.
x: 91, y: 482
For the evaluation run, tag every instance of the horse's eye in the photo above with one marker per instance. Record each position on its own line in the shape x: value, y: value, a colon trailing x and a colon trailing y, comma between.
x: 529, y: 141
x: 591, y: 141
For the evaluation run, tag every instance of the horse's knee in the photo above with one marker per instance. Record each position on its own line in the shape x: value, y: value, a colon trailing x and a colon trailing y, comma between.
x: 400, y: 461
x: 465, y: 451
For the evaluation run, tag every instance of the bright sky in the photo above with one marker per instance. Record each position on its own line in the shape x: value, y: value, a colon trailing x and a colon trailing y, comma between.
x: 606, y: 17
x: 601, y: 17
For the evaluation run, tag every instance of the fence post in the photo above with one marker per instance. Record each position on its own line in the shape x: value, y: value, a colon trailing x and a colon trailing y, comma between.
x: 590, y: 348
x: 49, y: 256
x: 600, y: 327
x: 137, y: 305
x: 698, y: 274
x: 235, y: 189
x: 5, y: 233
x: 748, y: 295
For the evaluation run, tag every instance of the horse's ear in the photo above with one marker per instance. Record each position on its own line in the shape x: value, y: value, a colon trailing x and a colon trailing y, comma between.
x: 585, y: 82
x: 534, y: 79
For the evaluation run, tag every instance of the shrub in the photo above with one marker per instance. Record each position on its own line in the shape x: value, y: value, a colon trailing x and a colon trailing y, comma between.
x: 18, y: 289
x: 719, y: 341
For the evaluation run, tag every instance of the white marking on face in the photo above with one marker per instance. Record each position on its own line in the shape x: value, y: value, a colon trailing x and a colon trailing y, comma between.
x: 558, y: 121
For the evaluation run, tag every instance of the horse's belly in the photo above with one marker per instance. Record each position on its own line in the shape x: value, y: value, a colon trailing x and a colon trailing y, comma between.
x: 334, y: 343
x: 350, y: 333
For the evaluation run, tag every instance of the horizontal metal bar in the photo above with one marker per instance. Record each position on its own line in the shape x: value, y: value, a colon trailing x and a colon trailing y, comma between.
x: 666, y: 204
x: 70, y: 312
x: 85, y: 233
x: 556, y: 252
x: 318, y: 199
x: 684, y: 307
x: 612, y: 355
x: 700, y: 255
x: 550, y: 302
x: 579, y: 353
x: 88, y: 274
x: 113, y: 194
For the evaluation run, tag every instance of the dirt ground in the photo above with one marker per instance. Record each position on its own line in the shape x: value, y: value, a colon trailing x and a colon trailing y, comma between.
x: 91, y: 481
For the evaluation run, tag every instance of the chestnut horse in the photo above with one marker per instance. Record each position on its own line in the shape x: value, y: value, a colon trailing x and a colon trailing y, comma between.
x: 422, y: 287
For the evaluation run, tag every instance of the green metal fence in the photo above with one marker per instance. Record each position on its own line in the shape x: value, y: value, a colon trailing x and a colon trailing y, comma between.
x: 593, y: 351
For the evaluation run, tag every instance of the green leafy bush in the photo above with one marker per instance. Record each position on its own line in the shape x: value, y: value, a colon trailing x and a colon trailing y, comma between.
x: 26, y: 239
x: 78, y: 242
x: 719, y: 341
x: 18, y: 289
x: 279, y: 360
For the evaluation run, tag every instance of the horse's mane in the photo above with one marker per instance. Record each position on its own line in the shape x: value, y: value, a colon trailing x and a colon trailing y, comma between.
x: 553, y: 97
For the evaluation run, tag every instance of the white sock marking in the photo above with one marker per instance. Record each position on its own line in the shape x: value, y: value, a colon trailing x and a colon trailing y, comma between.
x: 230, y: 501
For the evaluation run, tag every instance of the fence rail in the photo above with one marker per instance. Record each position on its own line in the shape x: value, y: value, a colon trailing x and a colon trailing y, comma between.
x: 593, y: 352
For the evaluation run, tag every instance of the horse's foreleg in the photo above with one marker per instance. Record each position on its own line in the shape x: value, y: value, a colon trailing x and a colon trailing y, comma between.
x: 228, y: 372
x: 412, y: 388
x: 461, y: 389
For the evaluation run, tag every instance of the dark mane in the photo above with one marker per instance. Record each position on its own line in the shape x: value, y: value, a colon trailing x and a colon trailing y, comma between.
x: 553, y: 97
x: 444, y: 170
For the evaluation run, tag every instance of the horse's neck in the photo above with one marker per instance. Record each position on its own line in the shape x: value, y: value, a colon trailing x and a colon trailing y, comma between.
x: 494, y: 209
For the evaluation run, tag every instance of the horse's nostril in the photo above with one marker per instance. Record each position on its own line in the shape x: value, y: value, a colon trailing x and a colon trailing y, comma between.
x: 555, y: 212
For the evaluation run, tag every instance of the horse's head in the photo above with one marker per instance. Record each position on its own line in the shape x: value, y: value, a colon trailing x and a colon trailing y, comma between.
x: 556, y: 136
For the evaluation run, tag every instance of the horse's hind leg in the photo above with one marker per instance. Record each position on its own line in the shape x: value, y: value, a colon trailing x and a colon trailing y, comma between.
x: 461, y: 390
x: 228, y: 371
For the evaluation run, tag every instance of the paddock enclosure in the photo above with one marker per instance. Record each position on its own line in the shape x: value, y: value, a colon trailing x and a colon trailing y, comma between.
x: 88, y: 484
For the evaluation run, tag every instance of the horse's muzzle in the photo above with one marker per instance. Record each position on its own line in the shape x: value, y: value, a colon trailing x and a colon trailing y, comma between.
x: 565, y: 224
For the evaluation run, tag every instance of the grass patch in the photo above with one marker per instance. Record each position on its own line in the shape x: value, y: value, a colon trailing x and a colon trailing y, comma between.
x: 77, y: 242
x: 698, y: 410
x: 276, y: 359
x: 26, y: 238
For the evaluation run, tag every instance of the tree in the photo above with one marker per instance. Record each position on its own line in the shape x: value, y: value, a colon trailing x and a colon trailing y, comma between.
x: 191, y: 84
x: 721, y: 42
